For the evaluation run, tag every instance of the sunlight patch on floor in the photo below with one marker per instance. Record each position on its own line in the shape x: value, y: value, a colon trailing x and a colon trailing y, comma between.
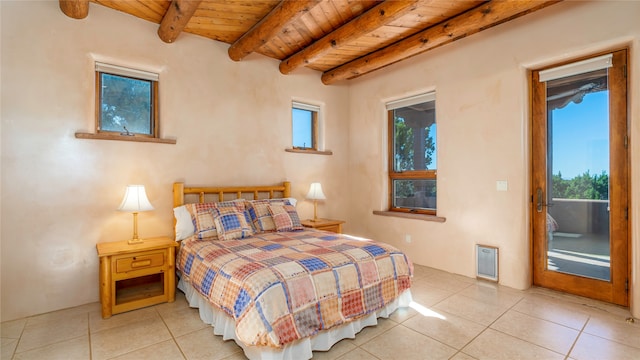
x: 425, y: 311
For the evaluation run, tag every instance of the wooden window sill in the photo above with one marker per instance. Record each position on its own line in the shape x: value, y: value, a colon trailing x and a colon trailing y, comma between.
x: 411, y: 216
x: 99, y: 136
x: 310, y: 151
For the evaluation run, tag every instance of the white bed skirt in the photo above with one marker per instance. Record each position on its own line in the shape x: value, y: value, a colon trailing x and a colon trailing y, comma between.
x: 301, y: 349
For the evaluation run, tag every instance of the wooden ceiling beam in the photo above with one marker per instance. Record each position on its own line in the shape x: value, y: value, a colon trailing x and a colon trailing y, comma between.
x: 76, y: 9
x: 374, y: 18
x: 176, y: 18
x: 284, y: 13
x: 468, y: 23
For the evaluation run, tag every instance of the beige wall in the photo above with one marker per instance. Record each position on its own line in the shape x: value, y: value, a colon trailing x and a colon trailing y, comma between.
x: 231, y: 121
x: 59, y: 194
x: 483, y: 135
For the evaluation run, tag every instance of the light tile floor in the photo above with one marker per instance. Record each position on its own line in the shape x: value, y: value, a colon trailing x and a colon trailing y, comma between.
x: 453, y: 317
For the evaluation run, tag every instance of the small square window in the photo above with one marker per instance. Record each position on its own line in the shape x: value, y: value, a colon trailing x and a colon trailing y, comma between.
x: 126, y: 101
x: 305, y: 126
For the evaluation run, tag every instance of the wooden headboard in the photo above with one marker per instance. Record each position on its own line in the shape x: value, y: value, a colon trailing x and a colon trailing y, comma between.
x: 202, y: 194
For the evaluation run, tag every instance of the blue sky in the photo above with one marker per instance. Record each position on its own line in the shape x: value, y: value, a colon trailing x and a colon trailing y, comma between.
x: 302, y: 128
x: 581, y: 136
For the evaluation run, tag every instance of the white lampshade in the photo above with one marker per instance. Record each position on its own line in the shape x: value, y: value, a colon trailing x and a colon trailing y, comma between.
x: 135, y: 199
x: 315, y: 192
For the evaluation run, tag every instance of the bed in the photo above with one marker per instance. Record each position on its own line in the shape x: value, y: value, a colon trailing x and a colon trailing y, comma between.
x: 279, y: 290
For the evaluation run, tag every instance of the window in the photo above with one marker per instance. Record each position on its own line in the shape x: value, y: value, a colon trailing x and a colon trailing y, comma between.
x: 305, y: 126
x: 126, y: 101
x: 412, y: 154
x: 305, y: 134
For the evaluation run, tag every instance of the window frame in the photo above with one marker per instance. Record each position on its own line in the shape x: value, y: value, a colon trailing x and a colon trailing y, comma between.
x: 316, y: 136
x: 114, y: 70
x: 394, y: 175
x: 315, y: 111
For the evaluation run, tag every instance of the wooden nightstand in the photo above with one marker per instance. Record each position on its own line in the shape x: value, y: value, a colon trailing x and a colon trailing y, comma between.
x: 138, y: 275
x: 324, y: 224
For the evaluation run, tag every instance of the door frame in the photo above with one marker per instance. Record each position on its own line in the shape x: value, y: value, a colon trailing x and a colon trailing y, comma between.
x: 618, y: 289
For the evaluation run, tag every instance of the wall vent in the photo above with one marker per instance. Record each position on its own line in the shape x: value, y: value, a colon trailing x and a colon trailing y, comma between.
x: 487, y: 262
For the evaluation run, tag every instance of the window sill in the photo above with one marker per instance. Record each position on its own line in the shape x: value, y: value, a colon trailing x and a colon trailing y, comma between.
x: 99, y: 136
x: 311, y: 151
x: 411, y: 216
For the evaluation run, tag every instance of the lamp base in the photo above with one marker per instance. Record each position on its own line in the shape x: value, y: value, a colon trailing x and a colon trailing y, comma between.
x: 135, y: 239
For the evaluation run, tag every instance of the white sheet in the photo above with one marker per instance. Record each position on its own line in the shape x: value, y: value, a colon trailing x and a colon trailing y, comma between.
x: 298, y: 350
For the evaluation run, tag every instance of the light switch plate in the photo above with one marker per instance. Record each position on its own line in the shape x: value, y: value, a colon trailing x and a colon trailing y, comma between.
x: 502, y: 185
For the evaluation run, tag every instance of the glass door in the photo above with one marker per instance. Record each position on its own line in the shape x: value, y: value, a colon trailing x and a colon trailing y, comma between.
x: 579, y: 216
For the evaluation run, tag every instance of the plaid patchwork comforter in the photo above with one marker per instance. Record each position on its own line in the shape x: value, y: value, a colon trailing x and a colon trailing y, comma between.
x: 284, y: 286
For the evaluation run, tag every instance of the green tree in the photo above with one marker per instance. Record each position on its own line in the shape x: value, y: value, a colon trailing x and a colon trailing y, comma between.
x: 404, y: 149
x: 601, y: 186
x: 584, y: 186
x: 403, y: 138
x: 404, y: 153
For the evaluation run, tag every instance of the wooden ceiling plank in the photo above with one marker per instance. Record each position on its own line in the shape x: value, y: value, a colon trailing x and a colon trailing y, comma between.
x: 376, y: 17
x: 280, y: 47
x: 134, y: 8
x: 157, y: 7
x: 331, y: 13
x: 269, y: 26
x: 294, y: 40
x: 312, y: 25
x: 304, y: 32
x: 470, y: 22
x: 76, y: 9
x: 320, y: 17
x: 343, y: 10
x: 176, y: 18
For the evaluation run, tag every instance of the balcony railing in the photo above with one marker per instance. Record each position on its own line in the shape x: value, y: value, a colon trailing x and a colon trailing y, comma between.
x: 581, y: 216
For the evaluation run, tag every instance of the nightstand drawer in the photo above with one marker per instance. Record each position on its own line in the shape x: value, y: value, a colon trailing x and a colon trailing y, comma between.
x: 332, y: 228
x: 138, y: 262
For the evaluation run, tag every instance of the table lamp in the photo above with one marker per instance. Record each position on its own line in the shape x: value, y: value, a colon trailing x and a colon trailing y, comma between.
x: 135, y: 200
x: 315, y: 193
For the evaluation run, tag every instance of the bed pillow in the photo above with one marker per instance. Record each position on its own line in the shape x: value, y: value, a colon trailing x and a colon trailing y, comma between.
x: 292, y: 201
x: 184, y: 223
x: 203, y: 220
x: 203, y: 217
x: 231, y: 223
x: 260, y: 216
x: 285, y: 217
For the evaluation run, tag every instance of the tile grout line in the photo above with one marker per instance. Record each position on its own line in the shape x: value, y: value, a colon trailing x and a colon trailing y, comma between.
x: 150, y: 345
x: 578, y: 337
x: 15, y: 351
x: 89, y: 335
x: 604, y: 338
x: 486, y: 327
x: 440, y: 301
x: 566, y: 356
x: 170, y: 332
x: 358, y: 347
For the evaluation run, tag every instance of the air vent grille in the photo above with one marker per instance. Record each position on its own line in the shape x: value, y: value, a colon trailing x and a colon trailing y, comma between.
x: 487, y: 262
